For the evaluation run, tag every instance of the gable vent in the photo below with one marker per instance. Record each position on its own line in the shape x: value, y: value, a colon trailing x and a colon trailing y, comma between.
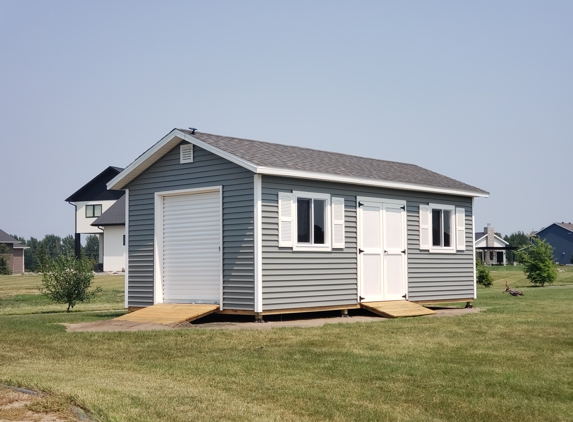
x: 186, y: 153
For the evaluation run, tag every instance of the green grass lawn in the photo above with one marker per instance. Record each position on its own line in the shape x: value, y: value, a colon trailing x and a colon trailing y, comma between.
x: 511, y: 362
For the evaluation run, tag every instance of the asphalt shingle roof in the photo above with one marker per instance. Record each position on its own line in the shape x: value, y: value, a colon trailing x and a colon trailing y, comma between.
x: 288, y: 157
x: 567, y: 226
x: 6, y: 238
x: 113, y: 216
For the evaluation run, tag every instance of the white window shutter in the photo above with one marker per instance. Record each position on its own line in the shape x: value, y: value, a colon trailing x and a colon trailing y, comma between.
x: 425, y: 223
x: 337, y: 222
x: 286, y: 220
x: 461, y: 229
x: 186, y: 153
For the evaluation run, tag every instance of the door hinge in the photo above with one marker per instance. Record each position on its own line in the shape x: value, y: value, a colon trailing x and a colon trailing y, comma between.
x: 360, y: 298
x: 360, y: 251
x: 404, y: 297
x: 360, y: 204
x: 403, y: 207
x: 404, y: 251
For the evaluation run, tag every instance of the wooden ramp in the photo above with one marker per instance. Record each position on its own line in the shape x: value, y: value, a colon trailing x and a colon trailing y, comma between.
x: 396, y: 308
x: 169, y: 313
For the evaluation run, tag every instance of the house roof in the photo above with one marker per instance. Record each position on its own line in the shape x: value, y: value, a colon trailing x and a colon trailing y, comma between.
x: 566, y: 226
x: 480, y: 235
x: 96, y: 189
x: 290, y: 161
x: 113, y: 216
x: 6, y: 238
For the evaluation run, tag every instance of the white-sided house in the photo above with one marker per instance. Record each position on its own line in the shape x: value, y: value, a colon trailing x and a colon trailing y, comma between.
x: 112, y: 248
x: 490, y: 247
x: 261, y: 228
x: 90, y: 202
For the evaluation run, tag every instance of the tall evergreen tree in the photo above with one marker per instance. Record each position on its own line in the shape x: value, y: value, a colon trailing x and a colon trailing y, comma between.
x: 68, y: 245
x: 518, y: 240
x: 30, y: 258
x: 4, y: 258
x: 91, y: 250
x: 53, y: 245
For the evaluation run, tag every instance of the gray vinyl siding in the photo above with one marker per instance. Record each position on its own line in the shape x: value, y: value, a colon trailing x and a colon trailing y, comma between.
x: 301, y: 279
x: 206, y: 170
x: 297, y: 279
x: 561, y: 241
x: 439, y: 276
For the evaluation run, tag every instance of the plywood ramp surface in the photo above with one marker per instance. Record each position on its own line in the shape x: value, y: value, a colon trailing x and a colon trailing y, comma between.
x: 396, y: 308
x: 169, y: 313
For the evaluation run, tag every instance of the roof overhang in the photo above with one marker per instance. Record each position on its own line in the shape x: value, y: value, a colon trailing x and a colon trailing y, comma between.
x: 174, y: 137
x: 497, y: 248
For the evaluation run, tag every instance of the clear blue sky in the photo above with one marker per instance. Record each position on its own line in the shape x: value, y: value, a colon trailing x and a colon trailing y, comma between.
x: 478, y: 91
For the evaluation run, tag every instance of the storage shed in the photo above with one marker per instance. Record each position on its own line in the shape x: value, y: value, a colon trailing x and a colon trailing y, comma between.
x: 261, y: 228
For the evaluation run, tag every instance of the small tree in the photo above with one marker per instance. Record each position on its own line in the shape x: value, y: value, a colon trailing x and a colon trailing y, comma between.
x: 4, y: 267
x: 68, y: 280
x: 538, y: 264
x: 483, y: 274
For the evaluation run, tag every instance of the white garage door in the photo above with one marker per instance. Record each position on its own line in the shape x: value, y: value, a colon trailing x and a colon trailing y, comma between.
x: 192, y: 248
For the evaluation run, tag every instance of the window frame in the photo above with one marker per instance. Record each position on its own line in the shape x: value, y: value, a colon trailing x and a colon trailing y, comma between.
x: 453, y: 229
x: 327, y: 246
x: 92, y: 207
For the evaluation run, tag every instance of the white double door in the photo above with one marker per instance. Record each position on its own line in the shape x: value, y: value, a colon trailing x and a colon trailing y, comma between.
x: 382, y: 249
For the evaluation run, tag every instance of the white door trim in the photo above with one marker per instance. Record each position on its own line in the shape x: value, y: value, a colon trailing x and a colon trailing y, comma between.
x: 158, y: 239
x: 126, y: 233
x: 258, y: 234
x: 380, y: 201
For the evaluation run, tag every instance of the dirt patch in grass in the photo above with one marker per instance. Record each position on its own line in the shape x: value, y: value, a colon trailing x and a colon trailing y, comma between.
x: 18, y: 405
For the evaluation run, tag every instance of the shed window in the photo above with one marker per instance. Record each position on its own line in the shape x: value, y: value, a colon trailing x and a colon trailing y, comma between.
x: 310, y: 215
x: 311, y: 221
x: 93, y: 211
x: 442, y: 228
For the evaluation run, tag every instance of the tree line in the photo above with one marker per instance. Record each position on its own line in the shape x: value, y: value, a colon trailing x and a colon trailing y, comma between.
x: 518, y: 240
x: 40, y: 252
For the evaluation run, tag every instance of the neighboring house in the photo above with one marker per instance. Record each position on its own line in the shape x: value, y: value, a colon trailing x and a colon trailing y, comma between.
x: 16, y: 254
x: 92, y: 201
x: 490, y: 247
x: 560, y: 237
x: 262, y: 228
x: 112, y: 246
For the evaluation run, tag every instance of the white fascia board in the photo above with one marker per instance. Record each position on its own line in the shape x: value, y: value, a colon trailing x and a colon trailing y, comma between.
x: 500, y: 239
x: 163, y: 147
x: 299, y: 174
x: 481, y: 238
